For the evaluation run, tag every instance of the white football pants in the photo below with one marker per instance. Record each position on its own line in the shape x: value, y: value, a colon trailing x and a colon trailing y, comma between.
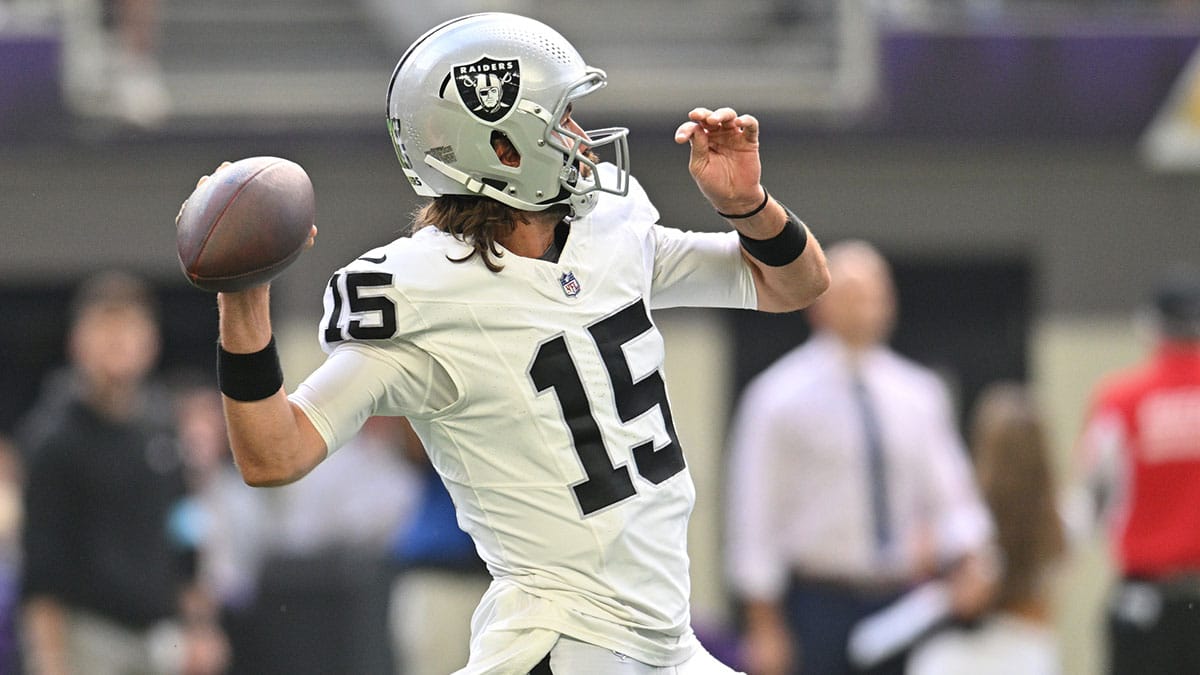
x: 572, y: 657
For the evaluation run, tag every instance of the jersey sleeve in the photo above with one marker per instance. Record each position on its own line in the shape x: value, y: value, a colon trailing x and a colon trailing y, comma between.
x: 359, y: 380
x: 690, y: 269
x: 374, y: 366
x: 700, y: 269
x: 361, y: 303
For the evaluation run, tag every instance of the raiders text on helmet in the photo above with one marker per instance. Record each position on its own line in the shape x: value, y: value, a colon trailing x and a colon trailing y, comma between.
x: 496, y: 73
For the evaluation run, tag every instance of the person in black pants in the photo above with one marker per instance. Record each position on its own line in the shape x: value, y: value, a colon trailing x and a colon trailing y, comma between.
x: 105, y: 590
x: 1141, y: 454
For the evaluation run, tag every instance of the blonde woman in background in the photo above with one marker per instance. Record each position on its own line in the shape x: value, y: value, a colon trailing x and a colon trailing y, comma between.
x: 1009, y: 443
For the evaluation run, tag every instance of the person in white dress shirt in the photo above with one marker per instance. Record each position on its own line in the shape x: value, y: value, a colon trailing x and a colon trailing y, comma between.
x: 849, y: 484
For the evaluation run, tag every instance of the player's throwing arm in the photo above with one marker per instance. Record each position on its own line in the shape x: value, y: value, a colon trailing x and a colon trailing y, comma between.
x: 239, y: 229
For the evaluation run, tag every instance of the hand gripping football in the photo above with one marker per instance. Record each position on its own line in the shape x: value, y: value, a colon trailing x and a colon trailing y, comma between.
x: 245, y: 224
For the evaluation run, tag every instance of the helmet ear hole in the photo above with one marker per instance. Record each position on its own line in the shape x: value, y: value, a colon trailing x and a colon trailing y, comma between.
x: 505, y: 150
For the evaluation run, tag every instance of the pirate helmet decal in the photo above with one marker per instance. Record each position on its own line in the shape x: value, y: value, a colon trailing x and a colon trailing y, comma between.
x: 489, y: 87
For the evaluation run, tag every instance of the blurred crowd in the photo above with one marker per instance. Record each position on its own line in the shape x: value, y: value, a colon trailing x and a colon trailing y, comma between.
x: 129, y: 543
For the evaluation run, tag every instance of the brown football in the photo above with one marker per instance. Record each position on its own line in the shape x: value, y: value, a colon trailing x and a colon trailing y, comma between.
x: 245, y: 224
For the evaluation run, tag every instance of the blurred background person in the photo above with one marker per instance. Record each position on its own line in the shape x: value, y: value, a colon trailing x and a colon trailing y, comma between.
x: 849, y: 484
x: 440, y: 578
x: 1140, y: 450
x: 222, y: 519
x: 300, y: 574
x: 139, y: 93
x: 323, y: 592
x: 111, y: 69
x: 11, y: 489
x: 105, y: 589
x: 1013, y: 466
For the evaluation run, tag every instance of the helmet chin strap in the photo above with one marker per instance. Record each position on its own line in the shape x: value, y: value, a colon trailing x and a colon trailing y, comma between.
x: 479, y: 187
x: 581, y: 205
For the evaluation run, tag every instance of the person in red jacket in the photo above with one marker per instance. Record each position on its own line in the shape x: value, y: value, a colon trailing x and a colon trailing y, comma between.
x: 1141, y: 448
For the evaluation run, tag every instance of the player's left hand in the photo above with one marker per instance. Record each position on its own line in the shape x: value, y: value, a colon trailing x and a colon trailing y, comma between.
x: 724, y: 161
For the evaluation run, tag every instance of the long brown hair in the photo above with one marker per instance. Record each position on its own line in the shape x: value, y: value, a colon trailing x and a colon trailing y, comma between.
x: 477, y: 221
x: 1010, y: 447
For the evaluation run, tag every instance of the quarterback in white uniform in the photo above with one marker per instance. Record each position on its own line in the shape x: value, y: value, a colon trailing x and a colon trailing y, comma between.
x: 522, y: 348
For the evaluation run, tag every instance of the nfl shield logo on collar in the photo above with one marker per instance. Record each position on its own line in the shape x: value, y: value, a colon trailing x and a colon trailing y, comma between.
x: 570, y: 284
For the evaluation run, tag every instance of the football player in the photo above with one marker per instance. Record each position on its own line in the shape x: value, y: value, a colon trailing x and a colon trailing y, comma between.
x: 513, y: 329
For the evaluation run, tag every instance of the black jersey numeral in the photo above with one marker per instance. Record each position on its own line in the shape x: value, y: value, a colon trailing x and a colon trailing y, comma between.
x: 350, y: 294
x: 553, y: 369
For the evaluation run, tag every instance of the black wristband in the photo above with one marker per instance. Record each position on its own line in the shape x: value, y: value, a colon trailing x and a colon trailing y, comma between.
x: 751, y: 214
x: 249, y: 377
x: 781, y: 249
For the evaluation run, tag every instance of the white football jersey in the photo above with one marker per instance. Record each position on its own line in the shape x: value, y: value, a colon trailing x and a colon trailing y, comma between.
x: 538, y: 393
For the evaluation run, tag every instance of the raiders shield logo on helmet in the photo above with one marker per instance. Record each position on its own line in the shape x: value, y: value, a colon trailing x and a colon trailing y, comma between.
x: 489, y: 87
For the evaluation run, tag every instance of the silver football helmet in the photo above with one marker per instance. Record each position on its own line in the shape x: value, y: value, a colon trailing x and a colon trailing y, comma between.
x: 472, y: 77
